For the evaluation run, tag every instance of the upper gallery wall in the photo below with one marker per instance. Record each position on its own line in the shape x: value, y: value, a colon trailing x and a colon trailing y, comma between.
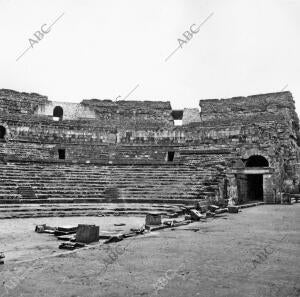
x: 32, y: 117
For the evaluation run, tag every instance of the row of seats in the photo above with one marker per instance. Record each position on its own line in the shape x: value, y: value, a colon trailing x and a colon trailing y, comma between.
x: 66, y: 181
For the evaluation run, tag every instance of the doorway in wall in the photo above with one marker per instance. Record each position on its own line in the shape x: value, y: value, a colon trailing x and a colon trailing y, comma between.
x: 255, y: 187
x: 250, y: 188
x: 61, y: 154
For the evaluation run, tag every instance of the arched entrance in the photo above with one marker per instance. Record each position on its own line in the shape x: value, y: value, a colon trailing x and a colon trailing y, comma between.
x: 250, y: 180
x: 257, y: 161
x: 2, y: 132
x: 58, y: 113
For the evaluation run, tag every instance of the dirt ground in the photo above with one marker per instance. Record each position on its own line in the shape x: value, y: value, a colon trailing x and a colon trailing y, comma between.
x: 20, y: 243
x: 253, y: 253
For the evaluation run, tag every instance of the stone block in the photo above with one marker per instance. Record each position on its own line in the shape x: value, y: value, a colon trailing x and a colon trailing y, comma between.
x: 202, y: 208
x: 40, y: 228
x: 233, y: 209
x: 221, y: 210
x: 87, y: 233
x: 153, y: 219
x: 213, y: 208
x: 286, y: 199
x: 210, y: 214
x: 195, y: 215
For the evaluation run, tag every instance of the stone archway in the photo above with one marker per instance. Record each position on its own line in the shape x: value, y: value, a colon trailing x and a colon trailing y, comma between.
x: 58, y: 112
x: 257, y: 161
x: 253, y: 180
x: 2, y: 132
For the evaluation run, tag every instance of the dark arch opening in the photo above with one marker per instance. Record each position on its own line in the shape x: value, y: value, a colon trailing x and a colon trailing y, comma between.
x: 61, y: 154
x: 257, y: 161
x: 58, y: 112
x: 171, y: 156
x: 2, y: 132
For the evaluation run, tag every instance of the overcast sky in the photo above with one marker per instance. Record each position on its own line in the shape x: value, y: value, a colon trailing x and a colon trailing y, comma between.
x: 109, y: 49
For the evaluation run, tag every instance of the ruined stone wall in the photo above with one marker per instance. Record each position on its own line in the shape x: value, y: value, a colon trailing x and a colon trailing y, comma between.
x: 276, y: 108
x: 13, y: 102
x: 141, y: 114
x: 82, y: 138
x: 270, y: 138
x: 272, y: 103
x: 71, y: 111
x: 142, y: 133
x: 190, y: 115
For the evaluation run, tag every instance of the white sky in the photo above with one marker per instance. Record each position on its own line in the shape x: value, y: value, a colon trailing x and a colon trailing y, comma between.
x: 104, y: 49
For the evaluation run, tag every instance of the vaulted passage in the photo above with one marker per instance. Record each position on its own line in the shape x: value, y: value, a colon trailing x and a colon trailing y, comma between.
x: 250, y: 184
x: 2, y: 132
x: 257, y: 161
x: 171, y: 156
x: 250, y: 187
x: 255, y: 187
x: 61, y: 154
x: 58, y: 112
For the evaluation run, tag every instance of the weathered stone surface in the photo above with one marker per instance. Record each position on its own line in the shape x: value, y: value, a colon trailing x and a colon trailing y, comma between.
x: 153, y: 219
x: 233, y: 209
x: 131, y: 142
x: 12, y: 102
x: 87, y: 233
x: 213, y: 208
x: 190, y: 115
x: 195, y: 215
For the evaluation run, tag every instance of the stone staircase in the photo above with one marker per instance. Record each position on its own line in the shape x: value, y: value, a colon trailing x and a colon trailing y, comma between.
x: 26, y: 192
x: 89, y: 183
x: 10, y: 211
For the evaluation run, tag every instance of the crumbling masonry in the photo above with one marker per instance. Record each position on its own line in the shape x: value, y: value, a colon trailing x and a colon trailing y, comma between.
x: 237, y: 150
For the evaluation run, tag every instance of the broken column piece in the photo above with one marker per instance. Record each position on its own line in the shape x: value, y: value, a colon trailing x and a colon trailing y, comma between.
x: 71, y: 245
x: 65, y: 230
x: 221, y: 210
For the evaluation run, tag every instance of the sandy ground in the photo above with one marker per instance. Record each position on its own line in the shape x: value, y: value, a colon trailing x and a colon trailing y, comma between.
x: 19, y: 242
x: 253, y: 253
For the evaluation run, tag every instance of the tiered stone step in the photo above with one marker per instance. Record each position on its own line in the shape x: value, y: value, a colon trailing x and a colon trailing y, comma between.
x: 65, y: 181
x: 91, y: 209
